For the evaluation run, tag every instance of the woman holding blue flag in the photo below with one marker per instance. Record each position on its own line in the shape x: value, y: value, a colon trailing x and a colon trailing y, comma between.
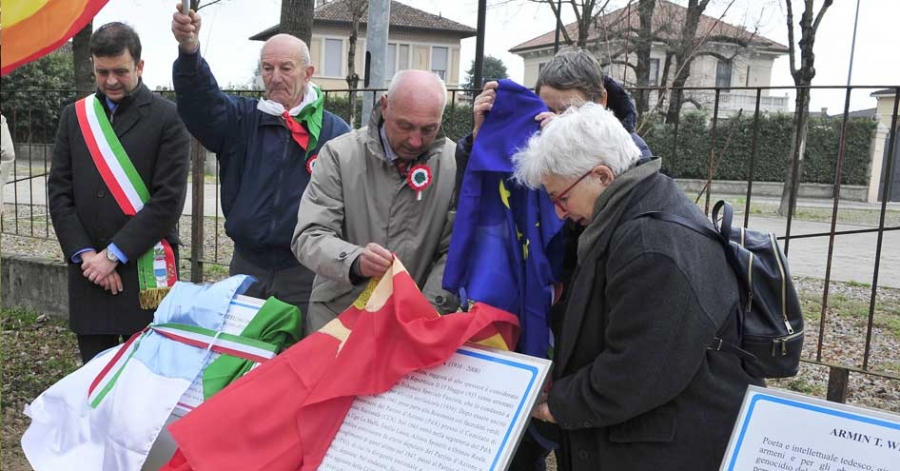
x: 635, y: 385
x: 571, y: 78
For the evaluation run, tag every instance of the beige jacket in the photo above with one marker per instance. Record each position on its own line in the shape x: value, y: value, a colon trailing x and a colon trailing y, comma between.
x: 355, y: 197
x: 7, y: 156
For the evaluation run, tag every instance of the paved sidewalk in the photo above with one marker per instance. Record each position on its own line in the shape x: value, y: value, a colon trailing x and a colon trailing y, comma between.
x: 853, y: 257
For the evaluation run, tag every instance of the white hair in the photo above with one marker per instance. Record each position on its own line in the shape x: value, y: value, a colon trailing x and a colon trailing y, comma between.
x: 575, y: 142
x: 401, y: 76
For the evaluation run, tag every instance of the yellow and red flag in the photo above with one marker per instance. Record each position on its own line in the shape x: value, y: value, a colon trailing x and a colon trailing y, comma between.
x: 35, y: 28
x: 285, y: 414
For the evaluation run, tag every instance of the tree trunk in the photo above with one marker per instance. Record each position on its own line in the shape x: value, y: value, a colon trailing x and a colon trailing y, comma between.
x: 642, y: 70
x: 352, y: 76
x: 798, y: 148
x: 81, y: 60
x: 297, y: 18
x: 684, y: 55
x: 809, y: 23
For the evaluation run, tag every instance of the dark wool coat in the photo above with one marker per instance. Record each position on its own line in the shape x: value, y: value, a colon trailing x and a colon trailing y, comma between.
x: 635, y: 387
x: 85, y: 215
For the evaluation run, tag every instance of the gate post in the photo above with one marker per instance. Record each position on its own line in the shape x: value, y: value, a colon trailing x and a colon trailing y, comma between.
x: 838, y: 384
x: 198, y: 159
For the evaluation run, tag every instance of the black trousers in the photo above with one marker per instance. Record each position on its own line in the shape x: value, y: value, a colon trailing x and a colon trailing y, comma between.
x: 290, y: 285
x: 91, y: 345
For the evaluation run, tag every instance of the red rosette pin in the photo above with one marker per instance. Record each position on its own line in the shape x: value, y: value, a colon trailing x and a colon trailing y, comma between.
x: 418, y: 178
x: 311, y: 163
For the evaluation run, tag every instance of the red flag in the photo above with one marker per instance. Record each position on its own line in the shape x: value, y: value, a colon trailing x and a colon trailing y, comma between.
x: 32, y: 29
x: 285, y: 414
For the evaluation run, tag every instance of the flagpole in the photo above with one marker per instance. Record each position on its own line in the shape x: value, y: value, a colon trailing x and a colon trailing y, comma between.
x: 185, y: 7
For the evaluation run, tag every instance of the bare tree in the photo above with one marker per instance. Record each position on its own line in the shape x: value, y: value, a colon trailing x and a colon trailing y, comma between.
x: 357, y: 9
x: 644, y: 43
x: 809, y: 24
x: 682, y: 54
x: 585, y: 14
x: 627, y: 36
x: 297, y: 18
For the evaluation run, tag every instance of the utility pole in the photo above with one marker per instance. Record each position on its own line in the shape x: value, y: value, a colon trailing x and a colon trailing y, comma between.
x: 377, y: 29
x: 479, y: 48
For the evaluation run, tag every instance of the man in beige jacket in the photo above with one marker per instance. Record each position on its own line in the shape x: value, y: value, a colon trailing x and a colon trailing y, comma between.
x: 380, y: 191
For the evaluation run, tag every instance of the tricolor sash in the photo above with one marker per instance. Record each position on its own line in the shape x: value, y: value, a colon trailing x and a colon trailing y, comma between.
x: 156, y: 268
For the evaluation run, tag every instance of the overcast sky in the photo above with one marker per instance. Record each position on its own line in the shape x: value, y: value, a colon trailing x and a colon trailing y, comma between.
x: 227, y: 25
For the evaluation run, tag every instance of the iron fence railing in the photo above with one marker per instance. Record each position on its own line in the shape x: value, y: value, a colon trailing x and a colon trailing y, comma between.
x: 27, y: 214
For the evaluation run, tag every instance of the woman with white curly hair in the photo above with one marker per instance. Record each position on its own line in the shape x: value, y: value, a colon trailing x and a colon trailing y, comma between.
x: 635, y: 384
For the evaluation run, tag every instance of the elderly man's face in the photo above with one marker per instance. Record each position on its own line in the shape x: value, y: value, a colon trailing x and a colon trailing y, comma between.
x: 411, y: 125
x: 284, y: 76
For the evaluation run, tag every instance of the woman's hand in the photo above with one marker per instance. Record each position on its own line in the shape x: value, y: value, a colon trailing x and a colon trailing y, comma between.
x: 542, y: 412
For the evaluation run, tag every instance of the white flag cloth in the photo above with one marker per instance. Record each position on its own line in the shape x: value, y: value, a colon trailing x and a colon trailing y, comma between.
x: 106, y: 415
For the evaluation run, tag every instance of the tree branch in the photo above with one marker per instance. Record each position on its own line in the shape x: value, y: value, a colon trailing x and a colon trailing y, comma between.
x: 207, y: 4
x: 791, y: 47
x: 821, y: 14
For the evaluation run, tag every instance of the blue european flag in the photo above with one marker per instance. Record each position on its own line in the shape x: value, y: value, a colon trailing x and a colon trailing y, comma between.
x: 504, y: 250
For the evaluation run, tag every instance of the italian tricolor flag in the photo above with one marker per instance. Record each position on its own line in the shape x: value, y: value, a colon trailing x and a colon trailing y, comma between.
x: 156, y: 268
x: 285, y: 414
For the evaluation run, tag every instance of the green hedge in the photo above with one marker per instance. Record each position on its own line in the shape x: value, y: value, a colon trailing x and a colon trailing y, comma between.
x: 691, y: 157
x: 457, y: 117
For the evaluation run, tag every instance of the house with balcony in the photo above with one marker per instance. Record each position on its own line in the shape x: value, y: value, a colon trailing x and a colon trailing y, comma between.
x: 416, y: 40
x: 731, y: 56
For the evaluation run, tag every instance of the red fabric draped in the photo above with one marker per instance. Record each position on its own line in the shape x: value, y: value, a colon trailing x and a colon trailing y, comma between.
x: 284, y: 414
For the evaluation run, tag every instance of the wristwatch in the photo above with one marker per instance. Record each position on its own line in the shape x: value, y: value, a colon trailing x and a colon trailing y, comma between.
x: 111, y: 256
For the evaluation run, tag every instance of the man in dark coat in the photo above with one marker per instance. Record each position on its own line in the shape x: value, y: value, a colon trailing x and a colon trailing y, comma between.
x: 636, y: 385
x: 266, y: 150
x: 103, y: 243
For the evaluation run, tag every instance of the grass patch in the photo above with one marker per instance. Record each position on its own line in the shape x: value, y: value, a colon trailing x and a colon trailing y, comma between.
x: 865, y: 217
x: 801, y: 385
x: 890, y: 323
x: 37, y: 351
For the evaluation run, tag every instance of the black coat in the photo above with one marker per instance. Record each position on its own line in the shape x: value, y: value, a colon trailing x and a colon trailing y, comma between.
x: 85, y: 215
x: 635, y: 387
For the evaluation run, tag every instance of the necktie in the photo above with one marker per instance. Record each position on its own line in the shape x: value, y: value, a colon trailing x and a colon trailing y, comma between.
x: 402, y: 165
x: 298, y: 132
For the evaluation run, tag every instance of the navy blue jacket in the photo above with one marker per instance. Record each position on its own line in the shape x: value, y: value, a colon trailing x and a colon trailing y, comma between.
x: 262, y: 170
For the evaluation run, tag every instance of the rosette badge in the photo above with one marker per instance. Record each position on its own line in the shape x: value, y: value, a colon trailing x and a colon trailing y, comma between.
x: 419, y: 178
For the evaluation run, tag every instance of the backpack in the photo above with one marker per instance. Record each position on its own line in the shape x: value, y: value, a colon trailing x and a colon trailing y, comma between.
x: 770, y: 321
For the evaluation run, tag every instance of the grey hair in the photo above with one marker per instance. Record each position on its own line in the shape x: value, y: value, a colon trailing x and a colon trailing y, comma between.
x: 575, y: 142
x: 400, y: 76
x: 573, y: 69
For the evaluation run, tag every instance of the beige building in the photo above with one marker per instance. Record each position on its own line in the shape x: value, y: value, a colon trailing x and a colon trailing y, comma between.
x: 884, y: 114
x: 416, y: 40
x: 720, y: 62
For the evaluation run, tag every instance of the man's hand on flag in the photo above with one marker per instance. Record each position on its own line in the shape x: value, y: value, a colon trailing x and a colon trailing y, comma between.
x: 186, y: 29
x: 375, y: 261
x: 483, y: 104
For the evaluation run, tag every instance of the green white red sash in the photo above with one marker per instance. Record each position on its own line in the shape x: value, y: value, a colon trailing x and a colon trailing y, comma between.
x: 220, y: 342
x: 156, y: 268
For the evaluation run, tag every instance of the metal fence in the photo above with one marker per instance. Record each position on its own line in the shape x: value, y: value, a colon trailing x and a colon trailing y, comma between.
x: 33, y: 127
